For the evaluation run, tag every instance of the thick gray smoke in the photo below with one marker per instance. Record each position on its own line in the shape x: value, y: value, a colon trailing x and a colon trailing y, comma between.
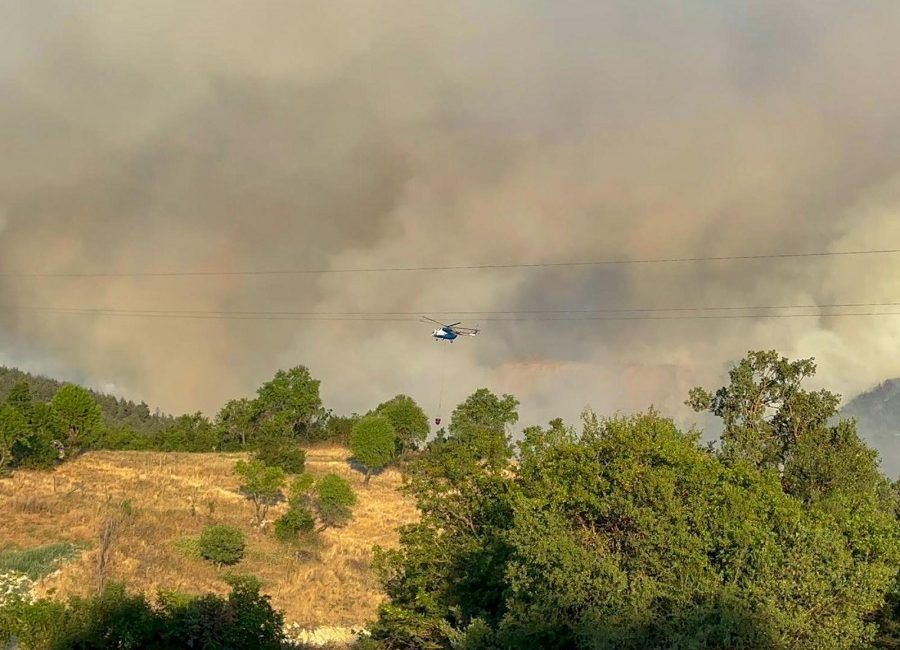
x: 214, y: 135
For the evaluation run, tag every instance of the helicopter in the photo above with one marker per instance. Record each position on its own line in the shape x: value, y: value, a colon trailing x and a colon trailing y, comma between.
x: 450, y: 332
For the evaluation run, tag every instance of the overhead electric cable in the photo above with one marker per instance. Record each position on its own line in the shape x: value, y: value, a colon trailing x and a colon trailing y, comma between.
x: 459, y: 267
x: 495, y: 319
x: 486, y: 312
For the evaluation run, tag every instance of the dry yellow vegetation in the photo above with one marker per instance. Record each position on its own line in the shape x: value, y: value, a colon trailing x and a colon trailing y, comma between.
x: 172, y: 496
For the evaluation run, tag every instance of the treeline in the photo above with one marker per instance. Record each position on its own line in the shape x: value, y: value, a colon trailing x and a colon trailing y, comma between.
x: 117, y: 619
x: 43, y: 422
x: 118, y: 413
x: 628, y: 533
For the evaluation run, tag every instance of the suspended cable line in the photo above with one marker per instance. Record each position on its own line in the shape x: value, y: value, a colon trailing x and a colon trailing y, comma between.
x: 393, y: 315
x: 495, y: 319
x: 458, y: 267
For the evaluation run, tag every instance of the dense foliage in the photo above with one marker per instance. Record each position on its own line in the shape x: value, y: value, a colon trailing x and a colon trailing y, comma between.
x: 261, y: 485
x: 373, y: 442
x: 293, y: 524
x: 409, y: 421
x: 282, y: 452
x: 222, y: 544
x: 117, y: 619
x: 334, y: 499
x: 631, y: 534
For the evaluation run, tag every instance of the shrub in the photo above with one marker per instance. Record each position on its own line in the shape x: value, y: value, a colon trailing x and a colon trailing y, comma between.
x: 295, y: 522
x: 335, y: 497
x: 300, y: 491
x: 373, y: 443
x: 262, y: 485
x: 282, y: 452
x: 117, y: 619
x: 222, y: 544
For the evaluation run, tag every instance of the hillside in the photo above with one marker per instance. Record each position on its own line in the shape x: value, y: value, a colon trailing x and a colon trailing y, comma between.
x: 118, y: 413
x: 169, y: 498
x: 877, y: 413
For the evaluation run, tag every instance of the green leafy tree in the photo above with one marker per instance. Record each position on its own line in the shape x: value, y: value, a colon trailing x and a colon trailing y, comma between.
x: 13, y: 429
x: 191, y: 433
x: 628, y: 536
x: 282, y: 452
x: 296, y: 523
x: 339, y: 427
x: 262, y: 485
x: 77, y: 413
x: 236, y: 423
x: 451, y: 568
x: 300, y: 492
x: 38, y: 448
x: 292, y: 398
x: 334, y: 499
x: 222, y: 544
x: 373, y: 442
x: 764, y: 408
x: 409, y: 422
x: 20, y: 398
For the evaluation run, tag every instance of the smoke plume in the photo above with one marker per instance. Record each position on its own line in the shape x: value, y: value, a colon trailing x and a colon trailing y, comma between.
x: 220, y: 135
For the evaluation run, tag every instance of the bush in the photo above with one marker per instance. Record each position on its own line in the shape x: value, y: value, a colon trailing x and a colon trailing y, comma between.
x: 117, y: 619
x: 293, y: 523
x: 335, y: 497
x: 283, y: 453
x: 373, y: 443
x: 222, y: 544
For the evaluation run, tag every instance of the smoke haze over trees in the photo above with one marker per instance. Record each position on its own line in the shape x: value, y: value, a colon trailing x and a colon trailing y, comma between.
x: 276, y: 136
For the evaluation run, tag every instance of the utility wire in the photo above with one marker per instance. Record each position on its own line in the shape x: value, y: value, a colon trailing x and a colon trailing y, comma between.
x: 495, y: 319
x: 460, y: 267
x: 391, y: 314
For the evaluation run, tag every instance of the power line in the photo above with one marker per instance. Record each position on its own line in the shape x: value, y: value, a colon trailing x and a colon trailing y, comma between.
x: 460, y: 267
x: 494, y: 319
x: 390, y: 315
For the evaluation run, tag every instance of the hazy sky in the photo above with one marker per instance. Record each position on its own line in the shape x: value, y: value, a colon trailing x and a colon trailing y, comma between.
x: 216, y: 135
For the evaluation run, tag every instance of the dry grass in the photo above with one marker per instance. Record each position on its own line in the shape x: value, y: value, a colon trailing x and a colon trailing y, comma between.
x: 172, y: 496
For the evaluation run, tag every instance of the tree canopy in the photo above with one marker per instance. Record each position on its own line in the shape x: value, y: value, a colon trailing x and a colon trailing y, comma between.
x: 292, y: 398
x: 373, y: 442
x: 409, y: 421
x: 631, y: 534
x: 77, y: 413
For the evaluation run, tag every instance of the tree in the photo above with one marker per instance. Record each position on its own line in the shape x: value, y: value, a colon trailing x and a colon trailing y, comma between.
x: 373, y: 442
x: 339, y: 427
x: 764, y: 409
x: 297, y: 522
x: 334, y: 498
x: 222, y: 544
x: 235, y: 423
x: 262, y: 485
x: 292, y: 397
x: 629, y: 536
x: 191, y: 433
x: 409, y: 422
x: 300, y: 492
x: 13, y: 428
x: 281, y: 452
x: 38, y: 448
x: 20, y: 398
x: 452, y: 563
x: 77, y: 413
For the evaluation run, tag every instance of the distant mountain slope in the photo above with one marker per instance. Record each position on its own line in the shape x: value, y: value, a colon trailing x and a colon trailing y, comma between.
x: 877, y: 413
x: 117, y: 412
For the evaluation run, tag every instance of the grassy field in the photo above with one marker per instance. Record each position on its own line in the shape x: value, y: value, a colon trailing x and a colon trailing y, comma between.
x: 161, y: 501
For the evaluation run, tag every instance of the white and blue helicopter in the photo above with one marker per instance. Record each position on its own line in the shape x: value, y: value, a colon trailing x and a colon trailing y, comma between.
x: 450, y: 332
